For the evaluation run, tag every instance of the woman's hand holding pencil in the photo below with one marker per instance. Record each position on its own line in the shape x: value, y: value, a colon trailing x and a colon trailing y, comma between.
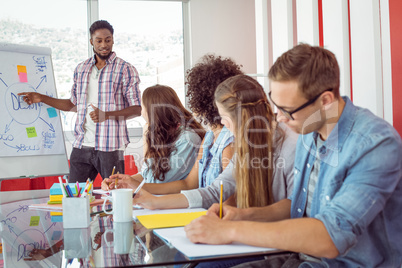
x: 124, y: 181
x: 228, y: 212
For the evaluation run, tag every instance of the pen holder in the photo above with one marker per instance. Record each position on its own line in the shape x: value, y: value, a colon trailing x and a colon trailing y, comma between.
x: 75, y: 212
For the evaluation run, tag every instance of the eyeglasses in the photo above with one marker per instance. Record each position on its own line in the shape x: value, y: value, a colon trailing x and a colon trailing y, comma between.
x: 288, y: 114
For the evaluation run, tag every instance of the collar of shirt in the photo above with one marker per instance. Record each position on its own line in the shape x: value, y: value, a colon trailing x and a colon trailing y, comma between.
x: 109, y: 60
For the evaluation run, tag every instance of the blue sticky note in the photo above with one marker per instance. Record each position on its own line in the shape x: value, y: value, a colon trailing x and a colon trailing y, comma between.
x: 56, y: 235
x: 51, y: 112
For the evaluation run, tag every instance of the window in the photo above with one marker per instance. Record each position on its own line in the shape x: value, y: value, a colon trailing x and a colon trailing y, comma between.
x: 148, y: 34
x: 60, y: 25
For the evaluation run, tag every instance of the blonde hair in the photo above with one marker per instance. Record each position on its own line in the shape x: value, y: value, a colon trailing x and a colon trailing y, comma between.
x: 243, y: 98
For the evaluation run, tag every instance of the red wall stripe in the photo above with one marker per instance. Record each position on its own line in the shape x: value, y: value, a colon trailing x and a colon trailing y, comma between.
x: 320, y: 24
x: 395, y: 25
x: 350, y: 54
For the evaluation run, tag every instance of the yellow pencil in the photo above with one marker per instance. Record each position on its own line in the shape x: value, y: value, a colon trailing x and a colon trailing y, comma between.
x: 115, y: 182
x: 113, y: 170
x: 220, y: 202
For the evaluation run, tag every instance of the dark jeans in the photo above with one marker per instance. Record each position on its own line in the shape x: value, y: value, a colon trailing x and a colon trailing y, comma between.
x: 87, y: 163
x: 291, y: 260
x: 228, y: 263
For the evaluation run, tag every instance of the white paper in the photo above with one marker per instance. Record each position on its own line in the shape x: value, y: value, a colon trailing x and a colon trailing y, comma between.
x: 177, y: 238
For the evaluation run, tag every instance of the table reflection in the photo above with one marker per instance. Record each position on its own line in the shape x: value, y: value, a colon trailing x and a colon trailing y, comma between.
x: 103, y: 244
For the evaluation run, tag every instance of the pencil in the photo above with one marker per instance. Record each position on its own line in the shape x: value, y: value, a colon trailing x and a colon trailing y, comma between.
x: 100, y: 212
x: 113, y: 170
x: 62, y: 188
x: 220, y: 201
x: 115, y: 182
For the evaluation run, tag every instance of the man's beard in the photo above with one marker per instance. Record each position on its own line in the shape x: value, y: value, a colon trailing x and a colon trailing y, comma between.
x: 101, y: 56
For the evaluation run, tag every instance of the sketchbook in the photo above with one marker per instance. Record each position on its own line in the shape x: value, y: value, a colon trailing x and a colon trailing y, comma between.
x: 177, y: 238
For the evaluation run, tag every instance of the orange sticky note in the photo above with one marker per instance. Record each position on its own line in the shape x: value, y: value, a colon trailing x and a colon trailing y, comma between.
x: 21, y: 69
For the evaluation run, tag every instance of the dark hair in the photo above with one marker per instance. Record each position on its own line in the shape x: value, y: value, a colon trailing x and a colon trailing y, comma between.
x: 314, y: 68
x: 167, y: 118
x: 100, y: 24
x: 202, y: 81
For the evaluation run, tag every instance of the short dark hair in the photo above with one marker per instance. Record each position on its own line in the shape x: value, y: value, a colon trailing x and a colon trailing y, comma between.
x: 100, y: 24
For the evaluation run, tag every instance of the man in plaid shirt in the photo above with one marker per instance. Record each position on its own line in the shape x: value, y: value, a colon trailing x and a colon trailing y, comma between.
x: 105, y: 93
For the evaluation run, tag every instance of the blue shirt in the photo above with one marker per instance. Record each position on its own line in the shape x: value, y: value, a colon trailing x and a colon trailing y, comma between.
x: 210, y: 165
x: 358, y: 195
x: 181, y: 159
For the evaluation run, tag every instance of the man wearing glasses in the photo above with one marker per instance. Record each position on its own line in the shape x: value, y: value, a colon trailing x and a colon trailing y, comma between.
x: 345, y: 210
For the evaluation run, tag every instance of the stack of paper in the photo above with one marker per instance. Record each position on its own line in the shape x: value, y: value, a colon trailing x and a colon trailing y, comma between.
x: 177, y: 238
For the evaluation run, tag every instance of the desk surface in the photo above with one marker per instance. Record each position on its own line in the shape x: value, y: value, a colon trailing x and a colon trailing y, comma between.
x: 31, y: 239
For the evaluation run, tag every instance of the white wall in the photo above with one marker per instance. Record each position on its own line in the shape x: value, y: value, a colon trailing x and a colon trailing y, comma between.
x: 366, y: 55
x: 336, y: 37
x: 364, y: 58
x: 226, y: 28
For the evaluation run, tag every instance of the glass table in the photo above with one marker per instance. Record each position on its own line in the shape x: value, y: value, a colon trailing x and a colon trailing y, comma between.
x: 35, y: 238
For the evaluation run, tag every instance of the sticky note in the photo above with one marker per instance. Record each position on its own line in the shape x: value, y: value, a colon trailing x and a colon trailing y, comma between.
x: 34, y: 221
x: 23, y: 77
x: 51, y: 112
x: 31, y: 132
x: 21, y: 69
x: 56, y: 235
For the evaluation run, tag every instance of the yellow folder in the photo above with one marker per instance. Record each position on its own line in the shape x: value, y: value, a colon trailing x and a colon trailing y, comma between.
x: 155, y: 221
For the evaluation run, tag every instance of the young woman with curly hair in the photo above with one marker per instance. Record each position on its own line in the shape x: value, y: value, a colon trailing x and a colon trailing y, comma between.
x: 216, y: 149
x: 172, y: 137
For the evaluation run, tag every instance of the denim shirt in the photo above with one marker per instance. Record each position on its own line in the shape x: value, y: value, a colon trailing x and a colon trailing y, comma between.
x: 358, y: 195
x: 181, y: 159
x: 210, y: 165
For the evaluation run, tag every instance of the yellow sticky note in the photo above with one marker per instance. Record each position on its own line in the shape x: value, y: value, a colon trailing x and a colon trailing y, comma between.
x: 34, y: 221
x: 156, y: 221
x: 31, y: 132
x: 54, y: 213
x: 21, y: 69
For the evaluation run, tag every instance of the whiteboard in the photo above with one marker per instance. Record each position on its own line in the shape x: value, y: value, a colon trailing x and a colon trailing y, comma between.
x: 31, y: 137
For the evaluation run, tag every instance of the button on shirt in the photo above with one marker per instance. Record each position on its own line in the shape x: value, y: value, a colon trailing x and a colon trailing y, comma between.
x: 118, y: 89
x: 358, y: 195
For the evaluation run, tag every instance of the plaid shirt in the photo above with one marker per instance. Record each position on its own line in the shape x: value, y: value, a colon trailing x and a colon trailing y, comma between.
x: 118, y: 89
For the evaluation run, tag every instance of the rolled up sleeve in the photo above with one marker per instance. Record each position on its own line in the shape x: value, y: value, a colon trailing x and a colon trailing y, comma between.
x: 205, y: 197
x: 365, y: 190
